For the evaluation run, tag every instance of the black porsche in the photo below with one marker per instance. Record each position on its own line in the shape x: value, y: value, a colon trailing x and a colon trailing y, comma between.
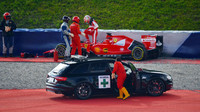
x: 84, y: 78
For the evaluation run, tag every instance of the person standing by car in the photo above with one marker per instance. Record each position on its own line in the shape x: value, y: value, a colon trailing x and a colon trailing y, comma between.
x: 92, y: 29
x: 66, y: 35
x: 7, y: 26
x: 120, y: 71
x: 75, y: 29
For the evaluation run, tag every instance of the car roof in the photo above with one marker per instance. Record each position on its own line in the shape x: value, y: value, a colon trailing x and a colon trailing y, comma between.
x: 100, y: 59
x: 85, y: 60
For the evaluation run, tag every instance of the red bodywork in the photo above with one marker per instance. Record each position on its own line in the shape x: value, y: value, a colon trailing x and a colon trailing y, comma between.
x: 149, y: 41
x: 118, y: 45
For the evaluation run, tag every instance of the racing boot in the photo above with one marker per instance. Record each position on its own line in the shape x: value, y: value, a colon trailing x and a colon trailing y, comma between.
x: 120, y: 94
x: 125, y: 93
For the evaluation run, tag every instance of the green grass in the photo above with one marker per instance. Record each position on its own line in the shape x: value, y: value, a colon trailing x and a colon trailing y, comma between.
x: 110, y: 14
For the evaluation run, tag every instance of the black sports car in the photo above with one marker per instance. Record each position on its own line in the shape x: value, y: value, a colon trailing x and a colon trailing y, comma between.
x: 86, y: 77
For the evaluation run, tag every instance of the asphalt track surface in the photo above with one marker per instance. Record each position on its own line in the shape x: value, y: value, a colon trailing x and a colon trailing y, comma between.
x: 22, y: 89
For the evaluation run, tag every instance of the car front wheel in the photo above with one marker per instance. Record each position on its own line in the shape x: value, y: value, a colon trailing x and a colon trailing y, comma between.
x: 155, y: 87
x: 83, y: 91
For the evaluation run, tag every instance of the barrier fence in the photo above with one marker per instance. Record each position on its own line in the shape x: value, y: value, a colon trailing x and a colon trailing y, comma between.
x: 184, y: 44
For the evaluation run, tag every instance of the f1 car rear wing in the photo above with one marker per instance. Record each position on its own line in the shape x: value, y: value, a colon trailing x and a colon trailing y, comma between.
x: 156, y: 42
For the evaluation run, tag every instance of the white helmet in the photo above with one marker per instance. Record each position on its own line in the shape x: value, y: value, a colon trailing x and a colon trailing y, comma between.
x: 87, y: 19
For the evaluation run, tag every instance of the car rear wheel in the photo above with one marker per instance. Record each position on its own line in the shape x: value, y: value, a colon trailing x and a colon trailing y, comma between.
x: 155, y: 87
x: 83, y: 91
x: 139, y: 53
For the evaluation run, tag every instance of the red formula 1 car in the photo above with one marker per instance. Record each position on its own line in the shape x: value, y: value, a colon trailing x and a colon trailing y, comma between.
x: 120, y: 45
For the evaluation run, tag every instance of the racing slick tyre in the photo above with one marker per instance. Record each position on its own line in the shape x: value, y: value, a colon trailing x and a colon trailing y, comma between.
x: 139, y: 53
x: 83, y: 91
x: 155, y: 87
x: 61, y: 50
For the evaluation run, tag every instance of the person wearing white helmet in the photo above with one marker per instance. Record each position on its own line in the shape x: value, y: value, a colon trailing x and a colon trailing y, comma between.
x: 92, y: 29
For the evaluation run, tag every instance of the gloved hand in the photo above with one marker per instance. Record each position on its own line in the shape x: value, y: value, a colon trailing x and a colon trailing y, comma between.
x: 7, y: 28
x: 71, y: 34
x: 113, y: 75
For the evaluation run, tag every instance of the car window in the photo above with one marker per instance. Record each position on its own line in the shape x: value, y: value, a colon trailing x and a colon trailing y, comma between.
x: 98, y: 67
x: 81, y: 69
x: 111, y: 65
x: 127, y: 69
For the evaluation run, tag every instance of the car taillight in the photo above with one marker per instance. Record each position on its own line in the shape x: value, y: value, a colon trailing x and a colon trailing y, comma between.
x: 61, y: 78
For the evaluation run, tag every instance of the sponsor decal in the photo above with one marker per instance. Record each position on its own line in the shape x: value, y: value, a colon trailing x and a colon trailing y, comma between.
x: 115, y: 40
x: 149, y: 39
x: 97, y: 49
x: 121, y: 49
x: 85, y: 45
x: 105, y: 50
x: 104, y: 81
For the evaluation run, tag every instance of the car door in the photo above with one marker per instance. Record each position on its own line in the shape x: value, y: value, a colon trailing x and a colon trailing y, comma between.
x: 101, y: 76
x: 136, y: 82
x: 128, y: 83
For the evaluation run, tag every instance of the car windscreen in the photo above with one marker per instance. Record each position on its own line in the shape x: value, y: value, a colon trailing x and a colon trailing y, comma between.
x: 59, y: 69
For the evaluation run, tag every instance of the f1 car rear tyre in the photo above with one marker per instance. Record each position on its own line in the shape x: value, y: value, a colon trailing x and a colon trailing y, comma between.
x: 139, y: 53
x: 61, y: 50
x: 83, y: 91
x: 155, y: 87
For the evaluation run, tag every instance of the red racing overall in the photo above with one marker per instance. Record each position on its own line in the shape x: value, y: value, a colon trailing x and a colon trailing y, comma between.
x: 120, y: 71
x: 75, y: 29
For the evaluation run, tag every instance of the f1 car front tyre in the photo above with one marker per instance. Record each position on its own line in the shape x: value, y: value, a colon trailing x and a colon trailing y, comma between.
x: 83, y: 91
x: 61, y: 50
x: 139, y: 53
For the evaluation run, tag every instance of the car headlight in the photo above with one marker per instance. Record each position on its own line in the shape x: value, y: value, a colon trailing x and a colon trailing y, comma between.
x: 169, y: 77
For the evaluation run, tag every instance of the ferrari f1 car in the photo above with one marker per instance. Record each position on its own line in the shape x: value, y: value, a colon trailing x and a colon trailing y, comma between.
x: 86, y: 77
x: 151, y: 46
